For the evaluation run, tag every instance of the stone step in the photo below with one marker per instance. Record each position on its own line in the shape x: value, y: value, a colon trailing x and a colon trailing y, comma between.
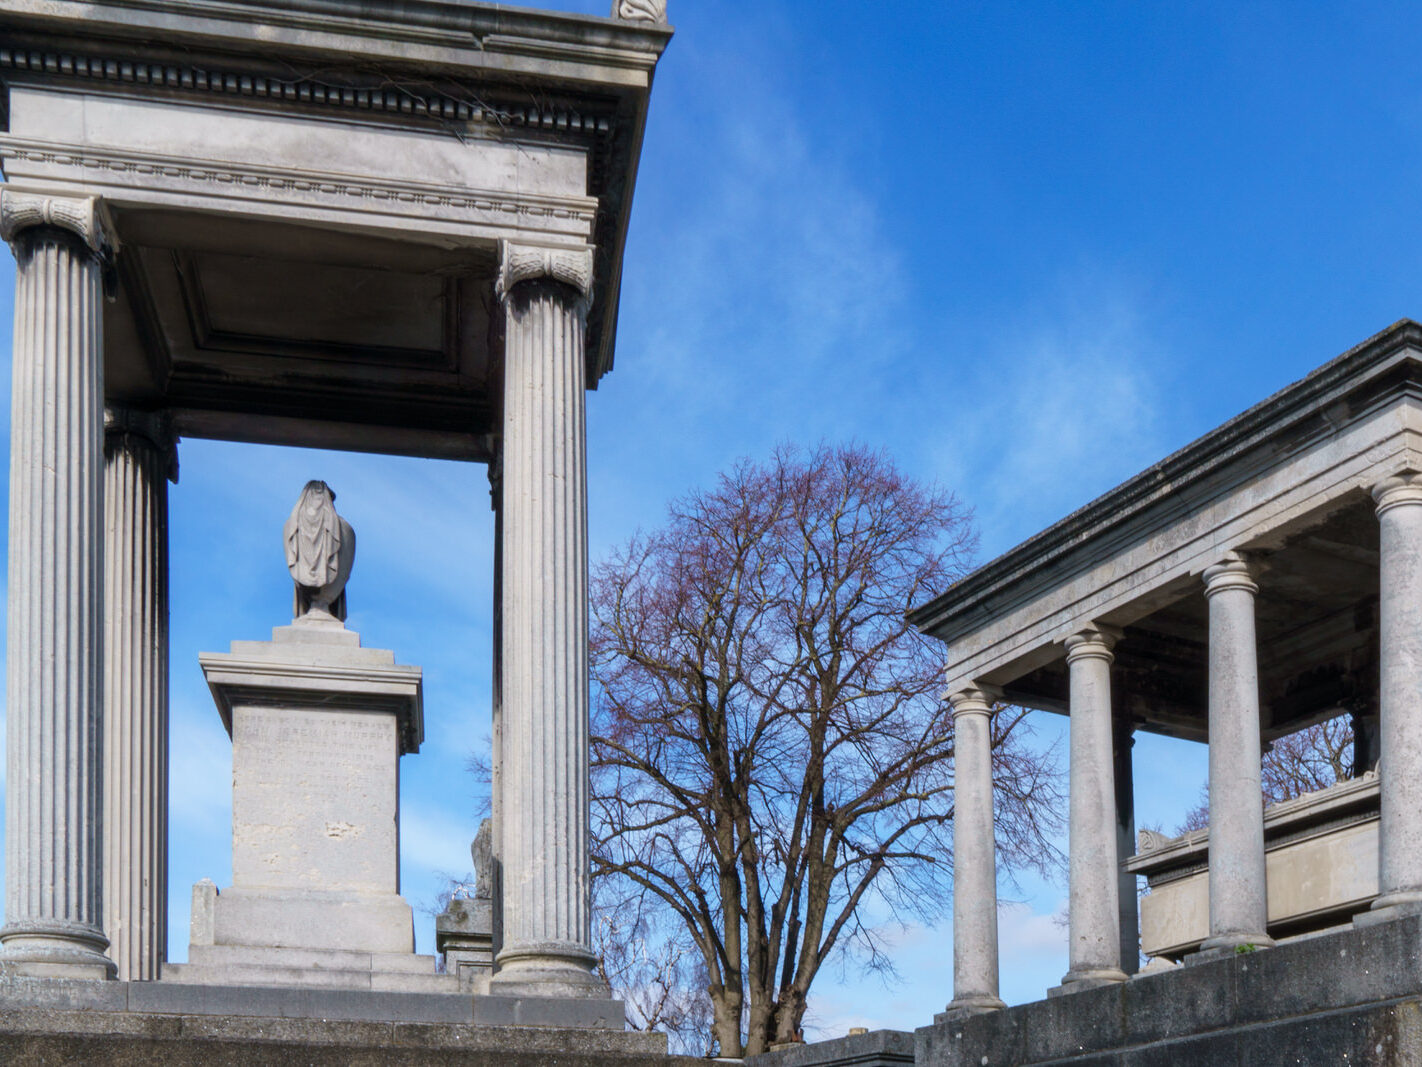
x: 238, y: 974
x: 309, y: 958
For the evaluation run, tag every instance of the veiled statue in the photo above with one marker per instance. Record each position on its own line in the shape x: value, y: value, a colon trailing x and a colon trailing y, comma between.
x: 320, y: 550
x: 482, y: 852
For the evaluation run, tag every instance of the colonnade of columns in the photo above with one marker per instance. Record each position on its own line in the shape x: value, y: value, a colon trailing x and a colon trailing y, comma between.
x: 87, y: 663
x: 1237, y: 883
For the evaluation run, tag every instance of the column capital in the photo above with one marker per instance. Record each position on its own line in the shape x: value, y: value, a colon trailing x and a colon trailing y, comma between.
x: 1093, y: 642
x: 1233, y: 571
x: 155, y: 427
x: 85, y: 217
x: 974, y: 700
x: 528, y: 263
x: 640, y: 11
x: 1404, y: 487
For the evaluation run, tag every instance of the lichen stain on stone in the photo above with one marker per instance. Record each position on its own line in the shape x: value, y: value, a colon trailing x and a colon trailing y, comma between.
x: 340, y: 830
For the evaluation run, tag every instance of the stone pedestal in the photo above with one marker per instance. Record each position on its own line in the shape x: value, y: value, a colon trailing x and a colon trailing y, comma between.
x: 464, y: 934
x: 318, y: 725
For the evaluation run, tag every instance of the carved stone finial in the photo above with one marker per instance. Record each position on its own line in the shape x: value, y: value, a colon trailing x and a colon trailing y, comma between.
x: 640, y: 10
x: 84, y: 217
x: 526, y: 263
x: 1150, y: 840
x: 320, y: 550
x: 482, y: 852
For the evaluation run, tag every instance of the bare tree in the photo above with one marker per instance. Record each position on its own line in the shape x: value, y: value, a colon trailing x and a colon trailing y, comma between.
x: 771, y: 751
x: 1301, y: 762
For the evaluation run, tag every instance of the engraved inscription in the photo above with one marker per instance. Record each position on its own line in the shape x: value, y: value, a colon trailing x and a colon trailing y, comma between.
x: 314, y: 803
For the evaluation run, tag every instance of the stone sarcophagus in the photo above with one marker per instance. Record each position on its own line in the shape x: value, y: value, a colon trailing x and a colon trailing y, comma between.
x: 1321, y: 863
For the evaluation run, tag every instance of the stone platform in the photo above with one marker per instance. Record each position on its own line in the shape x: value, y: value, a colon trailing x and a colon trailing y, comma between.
x: 49, y: 1021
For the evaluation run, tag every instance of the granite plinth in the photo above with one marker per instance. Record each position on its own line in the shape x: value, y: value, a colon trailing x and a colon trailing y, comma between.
x: 464, y: 935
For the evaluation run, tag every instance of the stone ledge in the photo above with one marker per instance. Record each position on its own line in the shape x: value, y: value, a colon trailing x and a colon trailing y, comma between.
x: 42, y: 1036
x: 881, y: 1048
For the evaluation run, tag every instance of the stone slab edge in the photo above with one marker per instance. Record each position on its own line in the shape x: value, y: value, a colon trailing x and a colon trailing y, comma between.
x: 881, y: 1048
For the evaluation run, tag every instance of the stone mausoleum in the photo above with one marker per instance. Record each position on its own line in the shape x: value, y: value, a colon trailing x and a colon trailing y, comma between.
x: 393, y: 226
x: 1263, y: 579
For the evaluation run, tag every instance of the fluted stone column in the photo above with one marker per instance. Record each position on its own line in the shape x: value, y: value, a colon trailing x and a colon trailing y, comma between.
x: 1239, y: 907
x: 1094, y: 882
x: 1126, y: 846
x: 496, y: 787
x: 1399, y: 509
x: 543, y: 753
x: 138, y: 461
x: 53, y: 890
x: 974, y: 857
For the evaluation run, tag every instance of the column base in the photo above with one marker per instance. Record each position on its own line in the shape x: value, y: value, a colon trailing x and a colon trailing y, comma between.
x: 1395, y: 905
x: 547, y: 970
x: 1075, y: 981
x: 1229, y: 945
x: 55, y: 949
x: 972, y: 1004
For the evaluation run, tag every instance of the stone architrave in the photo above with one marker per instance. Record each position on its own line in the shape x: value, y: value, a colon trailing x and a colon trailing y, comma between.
x: 139, y: 460
x: 1094, y: 887
x: 53, y: 851
x: 1399, y: 511
x: 1239, y: 909
x: 975, y: 987
x: 543, y: 738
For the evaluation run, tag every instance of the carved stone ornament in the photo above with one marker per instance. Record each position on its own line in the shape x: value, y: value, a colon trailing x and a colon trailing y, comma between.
x: 320, y: 550
x: 641, y: 10
x: 85, y: 217
x: 526, y: 263
x: 1150, y: 840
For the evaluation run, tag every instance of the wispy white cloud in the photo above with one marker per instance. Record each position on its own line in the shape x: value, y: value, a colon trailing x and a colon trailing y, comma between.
x: 1062, y: 405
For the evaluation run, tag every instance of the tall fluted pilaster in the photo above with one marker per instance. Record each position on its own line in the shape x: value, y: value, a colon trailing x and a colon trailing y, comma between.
x: 138, y: 461
x: 543, y: 746
x: 974, y: 857
x: 1239, y: 907
x: 1399, y: 509
x: 53, y: 897
x: 1094, y: 915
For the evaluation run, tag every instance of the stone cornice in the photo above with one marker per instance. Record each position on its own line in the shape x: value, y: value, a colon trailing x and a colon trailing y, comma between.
x: 82, y: 216
x: 476, y: 34
x: 526, y: 263
x: 378, y: 96
x: 1340, y: 391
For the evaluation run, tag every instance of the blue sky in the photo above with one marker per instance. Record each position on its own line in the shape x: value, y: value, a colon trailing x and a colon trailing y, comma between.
x: 1027, y: 248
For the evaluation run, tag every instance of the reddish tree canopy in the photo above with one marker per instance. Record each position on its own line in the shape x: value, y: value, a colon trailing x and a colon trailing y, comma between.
x: 771, y: 749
